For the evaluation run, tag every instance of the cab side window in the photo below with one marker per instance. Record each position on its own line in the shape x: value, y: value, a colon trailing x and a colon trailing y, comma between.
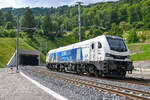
x: 92, y: 45
x: 99, y: 45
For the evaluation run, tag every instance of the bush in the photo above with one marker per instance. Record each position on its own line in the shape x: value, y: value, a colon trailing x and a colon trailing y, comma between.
x: 125, y: 26
x: 2, y: 32
x: 9, y: 25
x: 116, y: 30
x: 75, y: 33
x: 132, y: 36
x: 8, y: 33
x: 142, y: 37
x: 138, y: 25
x: 11, y: 33
x: 94, y: 32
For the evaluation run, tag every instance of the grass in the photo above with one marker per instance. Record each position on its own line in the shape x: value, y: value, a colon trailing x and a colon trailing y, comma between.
x: 7, y: 49
x: 140, y: 51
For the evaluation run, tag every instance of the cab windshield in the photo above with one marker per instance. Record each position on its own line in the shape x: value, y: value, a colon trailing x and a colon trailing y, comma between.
x: 117, y: 44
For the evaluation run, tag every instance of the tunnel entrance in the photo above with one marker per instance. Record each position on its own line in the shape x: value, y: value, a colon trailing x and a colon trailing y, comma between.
x: 29, y: 60
x: 26, y: 57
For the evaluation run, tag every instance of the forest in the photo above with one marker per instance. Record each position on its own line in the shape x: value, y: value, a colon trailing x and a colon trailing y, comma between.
x: 59, y: 26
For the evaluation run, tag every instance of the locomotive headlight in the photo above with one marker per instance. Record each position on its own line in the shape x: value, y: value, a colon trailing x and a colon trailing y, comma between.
x: 108, y: 55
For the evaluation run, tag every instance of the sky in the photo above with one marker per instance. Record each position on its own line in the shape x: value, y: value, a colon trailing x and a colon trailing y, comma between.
x: 44, y: 3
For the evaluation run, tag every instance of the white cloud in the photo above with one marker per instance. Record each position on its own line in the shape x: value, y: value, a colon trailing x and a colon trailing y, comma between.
x: 6, y: 3
x: 43, y: 3
x: 11, y: 3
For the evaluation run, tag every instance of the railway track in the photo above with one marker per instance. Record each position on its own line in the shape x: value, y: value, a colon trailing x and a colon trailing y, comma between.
x: 131, y: 80
x: 126, y: 92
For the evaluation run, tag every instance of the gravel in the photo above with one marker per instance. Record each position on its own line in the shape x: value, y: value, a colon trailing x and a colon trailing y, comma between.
x: 126, y: 85
x: 142, y: 64
x: 69, y: 90
x: 142, y: 70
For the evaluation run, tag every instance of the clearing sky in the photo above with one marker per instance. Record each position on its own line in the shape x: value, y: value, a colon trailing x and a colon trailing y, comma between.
x: 44, y: 3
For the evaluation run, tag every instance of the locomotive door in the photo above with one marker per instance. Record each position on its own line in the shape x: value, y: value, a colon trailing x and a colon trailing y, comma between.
x: 78, y: 54
x: 92, y: 51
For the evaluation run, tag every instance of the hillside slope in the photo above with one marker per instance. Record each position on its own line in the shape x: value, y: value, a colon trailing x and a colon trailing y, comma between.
x: 7, y: 49
x: 140, y: 51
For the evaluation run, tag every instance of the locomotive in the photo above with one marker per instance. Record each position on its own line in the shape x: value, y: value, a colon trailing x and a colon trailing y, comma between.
x: 105, y: 56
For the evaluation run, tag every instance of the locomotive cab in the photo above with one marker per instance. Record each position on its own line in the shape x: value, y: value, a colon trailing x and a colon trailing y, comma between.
x: 114, y: 54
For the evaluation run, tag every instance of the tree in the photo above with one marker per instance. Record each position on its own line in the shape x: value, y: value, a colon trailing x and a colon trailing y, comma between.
x: 132, y: 36
x: 8, y: 17
x: 146, y: 14
x: 1, y: 18
x: 96, y: 19
x: 94, y: 32
x: 122, y: 13
x: 75, y: 33
x: 106, y: 18
x: 114, y: 15
x: 9, y: 25
x: 116, y: 30
x: 125, y: 26
x: 47, y: 26
x: 84, y: 17
x: 134, y: 13
x: 29, y: 22
x: 55, y: 27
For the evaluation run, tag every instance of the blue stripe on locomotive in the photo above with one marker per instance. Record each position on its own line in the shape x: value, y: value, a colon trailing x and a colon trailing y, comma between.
x: 64, y: 55
x: 53, y: 55
x: 81, y: 55
x: 67, y: 55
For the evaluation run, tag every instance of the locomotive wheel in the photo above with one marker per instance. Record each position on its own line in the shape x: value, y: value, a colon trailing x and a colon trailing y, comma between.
x: 91, y: 70
x: 78, y: 70
x: 51, y: 67
x: 96, y: 73
x: 122, y: 74
x: 101, y: 74
x: 47, y: 66
x: 58, y: 67
x: 87, y: 70
x: 61, y: 68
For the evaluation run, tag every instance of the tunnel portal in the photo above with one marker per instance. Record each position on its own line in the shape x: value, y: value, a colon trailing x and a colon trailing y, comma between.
x: 29, y: 60
x: 26, y: 57
x: 29, y: 57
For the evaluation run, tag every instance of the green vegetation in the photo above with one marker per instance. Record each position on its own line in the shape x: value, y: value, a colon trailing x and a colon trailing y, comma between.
x: 7, y: 49
x: 108, y: 17
x: 116, y: 31
x: 59, y: 26
x: 140, y: 51
x: 28, y: 21
x: 132, y: 37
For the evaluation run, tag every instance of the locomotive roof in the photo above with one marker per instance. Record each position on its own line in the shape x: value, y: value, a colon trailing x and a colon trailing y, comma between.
x: 81, y: 44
